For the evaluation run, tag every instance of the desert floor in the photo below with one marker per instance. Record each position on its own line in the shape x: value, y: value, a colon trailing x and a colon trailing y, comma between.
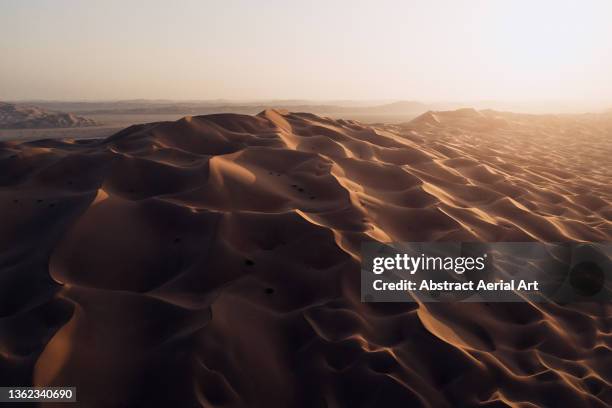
x: 214, y: 261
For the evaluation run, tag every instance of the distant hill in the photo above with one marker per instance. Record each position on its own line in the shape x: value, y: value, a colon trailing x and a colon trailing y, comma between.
x: 110, y: 112
x: 13, y: 116
x: 251, y: 108
x: 398, y: 107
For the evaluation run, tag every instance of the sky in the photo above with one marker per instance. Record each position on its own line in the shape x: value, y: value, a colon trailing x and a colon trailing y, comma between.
x: 429, y: 50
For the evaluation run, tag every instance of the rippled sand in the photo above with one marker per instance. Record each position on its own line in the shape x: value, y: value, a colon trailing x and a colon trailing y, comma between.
x: 214, y: 261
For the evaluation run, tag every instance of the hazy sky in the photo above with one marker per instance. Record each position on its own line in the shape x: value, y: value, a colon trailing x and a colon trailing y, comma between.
x: 428, y: 50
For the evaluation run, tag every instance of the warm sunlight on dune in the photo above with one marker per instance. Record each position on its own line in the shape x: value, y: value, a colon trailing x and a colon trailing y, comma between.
x: 217, y: 258
x: 209, y: 203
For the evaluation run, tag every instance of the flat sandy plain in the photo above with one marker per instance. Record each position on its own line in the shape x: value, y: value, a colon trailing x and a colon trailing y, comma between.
x: 214, y: 261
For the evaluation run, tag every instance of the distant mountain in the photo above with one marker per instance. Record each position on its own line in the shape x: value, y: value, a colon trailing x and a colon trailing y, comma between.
x: 14, y: 116
x: 405, y: 109
x: 398, y: 107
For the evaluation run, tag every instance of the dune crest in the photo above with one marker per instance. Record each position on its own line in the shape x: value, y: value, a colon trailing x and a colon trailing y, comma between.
x: 215, y: 259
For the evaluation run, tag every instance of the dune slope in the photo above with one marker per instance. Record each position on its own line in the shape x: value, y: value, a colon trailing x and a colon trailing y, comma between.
x: 214, y: 261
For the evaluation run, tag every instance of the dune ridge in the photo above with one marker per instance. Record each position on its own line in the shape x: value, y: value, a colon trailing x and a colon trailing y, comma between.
x: 215, y: 260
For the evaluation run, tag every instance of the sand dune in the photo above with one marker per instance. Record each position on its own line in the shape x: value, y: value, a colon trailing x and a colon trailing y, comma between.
x: 214, y: 261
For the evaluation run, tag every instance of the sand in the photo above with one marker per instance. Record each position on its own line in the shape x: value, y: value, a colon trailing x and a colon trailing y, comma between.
x: 214, y: 261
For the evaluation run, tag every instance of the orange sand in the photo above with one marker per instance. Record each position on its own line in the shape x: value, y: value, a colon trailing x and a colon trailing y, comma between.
x: 214, y: 261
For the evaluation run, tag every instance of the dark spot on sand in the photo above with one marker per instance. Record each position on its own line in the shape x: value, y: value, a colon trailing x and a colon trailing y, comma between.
x: 269, y: 291
x: 177, y: 240
x: 312, y: 197
x: 39, y: 201
x: 249, y: 262
x: 301, y: 190
x: 587, y: 278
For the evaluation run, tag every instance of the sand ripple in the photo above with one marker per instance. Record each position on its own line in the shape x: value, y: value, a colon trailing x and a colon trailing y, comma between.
x: 214, y: 261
